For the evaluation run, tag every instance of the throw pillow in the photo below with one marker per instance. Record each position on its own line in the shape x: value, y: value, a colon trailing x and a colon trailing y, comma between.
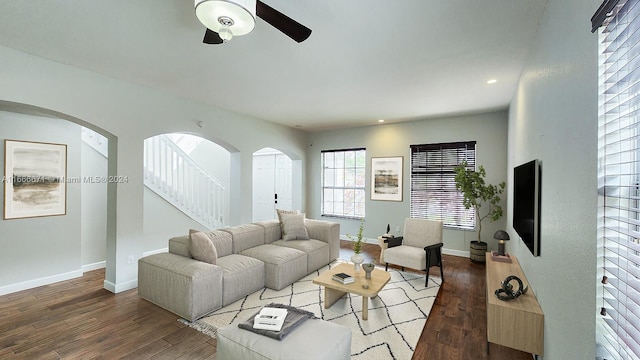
x: 201, y: 247
x: 293, y: 227
x: 285, y: 212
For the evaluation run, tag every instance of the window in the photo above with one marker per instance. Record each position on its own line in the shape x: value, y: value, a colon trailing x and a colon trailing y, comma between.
x: 618, y: 325
x: 343, y: 173
x: 433, y: 188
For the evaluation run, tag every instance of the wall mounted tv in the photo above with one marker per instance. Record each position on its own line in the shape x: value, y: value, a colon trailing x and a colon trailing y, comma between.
x: 526, y: 204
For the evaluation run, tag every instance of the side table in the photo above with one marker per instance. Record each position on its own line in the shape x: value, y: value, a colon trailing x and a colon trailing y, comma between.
x: 383, y: 245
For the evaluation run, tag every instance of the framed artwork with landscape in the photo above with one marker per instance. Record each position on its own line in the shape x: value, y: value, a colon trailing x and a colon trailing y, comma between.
x: 34, y: 179
x: 386, y: 178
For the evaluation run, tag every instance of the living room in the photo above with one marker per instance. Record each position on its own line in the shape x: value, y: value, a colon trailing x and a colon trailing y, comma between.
x: 552, y: 117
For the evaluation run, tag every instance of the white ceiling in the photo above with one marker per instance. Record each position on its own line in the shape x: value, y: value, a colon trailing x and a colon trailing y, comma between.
x: 365, y: 59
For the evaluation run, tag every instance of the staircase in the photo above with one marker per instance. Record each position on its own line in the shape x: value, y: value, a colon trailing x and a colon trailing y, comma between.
x: 174, y: 176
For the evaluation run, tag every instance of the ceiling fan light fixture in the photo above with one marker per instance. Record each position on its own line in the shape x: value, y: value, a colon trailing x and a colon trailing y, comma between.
x: 225, y: 33
x: 214, y: 14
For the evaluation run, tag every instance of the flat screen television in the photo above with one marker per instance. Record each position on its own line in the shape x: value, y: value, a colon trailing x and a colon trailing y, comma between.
x: 526, y: 204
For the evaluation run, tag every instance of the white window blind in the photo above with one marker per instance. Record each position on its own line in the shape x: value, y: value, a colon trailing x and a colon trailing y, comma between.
x: 618, y: 325
x: 433, y: 188
x: 343, y: 183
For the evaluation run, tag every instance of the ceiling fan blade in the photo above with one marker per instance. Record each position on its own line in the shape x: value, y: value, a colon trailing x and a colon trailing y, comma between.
x: 211, y: 37
x: 282, y: 22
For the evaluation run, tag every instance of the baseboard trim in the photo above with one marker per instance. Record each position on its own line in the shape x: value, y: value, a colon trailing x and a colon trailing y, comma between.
x: 34, y: 283
x: 157, y: 251
x: 94, y: 266
x: 118, y: 288
x: 454, y: 252
x: 365, y: 240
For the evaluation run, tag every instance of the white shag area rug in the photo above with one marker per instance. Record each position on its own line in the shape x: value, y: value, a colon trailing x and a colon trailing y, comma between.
x: 396, y: 316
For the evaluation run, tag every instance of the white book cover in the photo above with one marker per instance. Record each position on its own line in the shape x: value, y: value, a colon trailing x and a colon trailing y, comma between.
x: 270, y: 319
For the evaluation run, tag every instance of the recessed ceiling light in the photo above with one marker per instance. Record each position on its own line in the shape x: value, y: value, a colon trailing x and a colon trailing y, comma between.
x: 492, y: 81
x: 380, y: 121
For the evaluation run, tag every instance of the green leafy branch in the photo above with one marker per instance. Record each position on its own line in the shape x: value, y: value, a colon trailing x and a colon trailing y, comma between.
x: 477, y: 194
x: 357, y: 244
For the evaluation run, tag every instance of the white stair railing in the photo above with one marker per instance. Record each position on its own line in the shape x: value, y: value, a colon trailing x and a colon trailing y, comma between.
x: 173, y: 175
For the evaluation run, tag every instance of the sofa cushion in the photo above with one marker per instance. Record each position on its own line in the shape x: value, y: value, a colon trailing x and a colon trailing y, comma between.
x: 201, y: 247
x: 243, y: 275
x: 272, y: 230
x: 221, y: 240
x: 317, y: 251
x: 245, y: 236
x: 293, y: 227
x: 179, y: 245
x: 283, y: 265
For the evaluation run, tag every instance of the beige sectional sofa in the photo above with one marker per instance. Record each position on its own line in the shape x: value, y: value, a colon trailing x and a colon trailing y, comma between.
x: 249, y: 258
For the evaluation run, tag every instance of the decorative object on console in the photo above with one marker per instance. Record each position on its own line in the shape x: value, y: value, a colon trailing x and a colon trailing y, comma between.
x: 368, y: 268
x: 35, y: 179
x: 506, y: 292
x: 501, y: 236
x: 477, y: 195
x: 388, y: 229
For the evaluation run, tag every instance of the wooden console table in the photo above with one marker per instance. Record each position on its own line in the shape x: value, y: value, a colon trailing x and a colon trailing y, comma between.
x: 518, y: 323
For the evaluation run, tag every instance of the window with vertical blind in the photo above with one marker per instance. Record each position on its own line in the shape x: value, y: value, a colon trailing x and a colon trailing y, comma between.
x: 618, y: 325
x: 433, y: 188
x: 343, y: 174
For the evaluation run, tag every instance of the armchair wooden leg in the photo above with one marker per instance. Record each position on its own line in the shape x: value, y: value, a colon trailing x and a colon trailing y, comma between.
x: 386, y: 267
x: 440, y: 263
x: 426, y: 282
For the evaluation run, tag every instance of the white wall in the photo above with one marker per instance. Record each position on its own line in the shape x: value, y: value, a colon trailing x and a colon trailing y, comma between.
x: 163, y: 221
x: 488, y: 129
x: 34, y: 249
x: 553, y: 117
x: 127, y: 114
x: 94, y: 208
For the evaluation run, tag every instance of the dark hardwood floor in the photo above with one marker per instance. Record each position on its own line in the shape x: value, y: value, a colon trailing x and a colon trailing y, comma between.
x: 78, y: 319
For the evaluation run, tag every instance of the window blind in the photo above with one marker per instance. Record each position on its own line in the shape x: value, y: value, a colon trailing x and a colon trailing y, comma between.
x: 618, y: 325
x: 433, y: 188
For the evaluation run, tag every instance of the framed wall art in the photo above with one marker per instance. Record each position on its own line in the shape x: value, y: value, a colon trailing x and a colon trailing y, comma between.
x: 34, y: 179
x: 386, y: 178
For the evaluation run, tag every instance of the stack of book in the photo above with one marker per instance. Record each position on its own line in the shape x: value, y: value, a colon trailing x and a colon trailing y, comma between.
x: 270, y: 319
x: 343, y: 278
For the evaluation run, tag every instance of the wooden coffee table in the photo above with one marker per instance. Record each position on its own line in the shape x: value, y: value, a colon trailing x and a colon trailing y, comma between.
x: 333, y: 290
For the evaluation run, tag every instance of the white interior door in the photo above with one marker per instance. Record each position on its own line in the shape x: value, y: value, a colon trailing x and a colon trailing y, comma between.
x: 272, y: 185
x: 263, y: 187
x: 283, y: 182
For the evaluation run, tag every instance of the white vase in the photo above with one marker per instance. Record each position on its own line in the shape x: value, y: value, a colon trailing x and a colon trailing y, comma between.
x: 357, y: 259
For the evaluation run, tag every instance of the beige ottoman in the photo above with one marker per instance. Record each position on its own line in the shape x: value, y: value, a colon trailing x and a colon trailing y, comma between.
x: 313, y: 340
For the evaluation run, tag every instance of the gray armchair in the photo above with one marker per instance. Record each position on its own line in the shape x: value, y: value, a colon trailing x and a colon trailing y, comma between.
x: 420, y: 248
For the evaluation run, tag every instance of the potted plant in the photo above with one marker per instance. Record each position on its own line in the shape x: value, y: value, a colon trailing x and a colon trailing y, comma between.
x: 479, y: 195
x: 357, y: 258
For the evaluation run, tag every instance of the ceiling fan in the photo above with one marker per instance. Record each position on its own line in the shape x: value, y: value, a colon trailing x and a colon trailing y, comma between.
x: 225, y: 19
